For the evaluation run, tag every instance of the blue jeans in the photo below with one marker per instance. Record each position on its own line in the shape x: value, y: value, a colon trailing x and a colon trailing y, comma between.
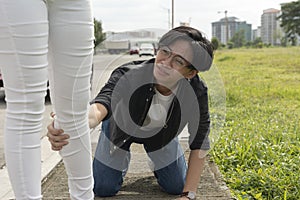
x: 111, y: 163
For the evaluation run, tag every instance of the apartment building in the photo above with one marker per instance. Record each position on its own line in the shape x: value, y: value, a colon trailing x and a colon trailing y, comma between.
x: 225, y: 28
x: 271, y: 31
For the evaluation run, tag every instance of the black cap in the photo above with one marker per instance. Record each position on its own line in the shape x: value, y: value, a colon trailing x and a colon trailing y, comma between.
x: 202, y: 57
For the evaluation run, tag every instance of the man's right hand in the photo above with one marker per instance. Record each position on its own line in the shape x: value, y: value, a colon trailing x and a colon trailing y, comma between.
x: 57, y: 137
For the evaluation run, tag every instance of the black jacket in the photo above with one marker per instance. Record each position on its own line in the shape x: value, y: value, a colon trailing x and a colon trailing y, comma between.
x: 127, y: 96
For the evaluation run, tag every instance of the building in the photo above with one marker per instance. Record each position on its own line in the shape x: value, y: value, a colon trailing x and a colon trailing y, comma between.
x: 256, y: 33
x: 271, y: 31
x: 247, y: 30
x: 184, y: 24
x: 225, y: 28
x: 120, y: 42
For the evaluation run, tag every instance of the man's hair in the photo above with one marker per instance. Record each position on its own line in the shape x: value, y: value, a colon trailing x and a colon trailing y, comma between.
x: 202, y: 47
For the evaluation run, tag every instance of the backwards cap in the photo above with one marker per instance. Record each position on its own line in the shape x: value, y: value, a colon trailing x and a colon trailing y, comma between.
x: 202, y: 60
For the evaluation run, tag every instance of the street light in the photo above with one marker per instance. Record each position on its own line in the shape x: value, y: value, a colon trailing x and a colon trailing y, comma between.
x: 172, y: 10
x: 172, y: 14
x: 169, y: 23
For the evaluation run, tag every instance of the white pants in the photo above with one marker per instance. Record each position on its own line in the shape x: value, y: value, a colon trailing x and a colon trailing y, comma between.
x: 31, y: 33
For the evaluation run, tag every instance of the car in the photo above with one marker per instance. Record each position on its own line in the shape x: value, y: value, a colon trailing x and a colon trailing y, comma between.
x: 134, y: 50
x: 1, y: 80
x: 146, y: 49
x: 48, y: 87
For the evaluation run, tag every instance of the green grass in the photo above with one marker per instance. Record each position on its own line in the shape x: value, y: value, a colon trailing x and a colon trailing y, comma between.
x: 258, y: 151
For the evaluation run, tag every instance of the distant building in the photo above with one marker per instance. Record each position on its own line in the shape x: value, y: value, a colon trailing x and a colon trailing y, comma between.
x: 225, y: 29
x: 184, y: 23
x: 256, y: 33
x: 271, y: 31
x: 119, y: 42
x: 127, y: 35
x: 247, y: 30
x: 136, y: 36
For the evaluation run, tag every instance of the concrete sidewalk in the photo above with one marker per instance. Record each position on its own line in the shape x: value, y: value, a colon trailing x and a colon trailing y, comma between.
x: 139, y: 182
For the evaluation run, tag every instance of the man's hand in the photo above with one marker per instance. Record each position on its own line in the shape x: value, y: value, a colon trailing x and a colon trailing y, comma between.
x: 57, y: 137
x: 97, y: 113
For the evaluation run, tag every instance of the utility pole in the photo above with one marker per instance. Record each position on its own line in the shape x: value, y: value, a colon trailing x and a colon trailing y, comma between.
x: 169, y: 24
x: 172, y: 14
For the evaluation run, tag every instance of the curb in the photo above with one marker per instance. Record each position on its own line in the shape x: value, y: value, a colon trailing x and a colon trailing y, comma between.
x: 49, y: 161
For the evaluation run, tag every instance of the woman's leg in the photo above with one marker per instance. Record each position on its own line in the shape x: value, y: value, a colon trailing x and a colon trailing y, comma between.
x: 23, y: 62
x: 71, y: 55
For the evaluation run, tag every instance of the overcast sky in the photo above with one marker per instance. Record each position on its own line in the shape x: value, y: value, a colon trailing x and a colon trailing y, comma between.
x: 124, y: 15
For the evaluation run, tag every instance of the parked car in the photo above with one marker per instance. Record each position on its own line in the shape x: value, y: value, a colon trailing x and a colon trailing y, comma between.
x: 146, y: 49
x: 134, y: 50
x: 1, y: 81
x: 48, y: 87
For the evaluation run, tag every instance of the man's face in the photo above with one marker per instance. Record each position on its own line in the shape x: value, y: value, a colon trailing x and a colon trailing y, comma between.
x: 171, y: 63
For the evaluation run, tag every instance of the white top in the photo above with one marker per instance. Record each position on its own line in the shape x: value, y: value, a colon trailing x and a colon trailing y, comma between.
x: 158, y: 111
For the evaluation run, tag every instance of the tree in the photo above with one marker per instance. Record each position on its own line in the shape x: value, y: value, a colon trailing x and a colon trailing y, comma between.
x: 215, y: 42
x: 99, y: 35
x: 290, y: 19
x: 258, y: 43
x: 238, y: 39
x: 284, y: 41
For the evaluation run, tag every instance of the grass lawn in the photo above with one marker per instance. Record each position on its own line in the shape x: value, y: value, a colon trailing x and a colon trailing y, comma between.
x: 258, y: 150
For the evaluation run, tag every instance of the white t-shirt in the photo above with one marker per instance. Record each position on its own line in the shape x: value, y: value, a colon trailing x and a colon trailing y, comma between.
x: 158, y: 111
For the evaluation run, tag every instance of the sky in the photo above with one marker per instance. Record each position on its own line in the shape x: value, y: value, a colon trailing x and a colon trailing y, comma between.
x: 127, y: 15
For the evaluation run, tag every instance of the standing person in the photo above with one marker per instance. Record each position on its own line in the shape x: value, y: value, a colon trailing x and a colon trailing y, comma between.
x: 150, y: 103
x: 31, y: 32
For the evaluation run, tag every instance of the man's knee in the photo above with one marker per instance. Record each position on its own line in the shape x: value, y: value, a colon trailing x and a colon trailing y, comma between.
x: 174, y: 187
x: 107, y: 181
x: 105, y: 189
x: 171, y: 179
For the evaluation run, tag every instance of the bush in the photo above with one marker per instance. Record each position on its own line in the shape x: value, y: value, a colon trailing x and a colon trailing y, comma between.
x: 215, y: 42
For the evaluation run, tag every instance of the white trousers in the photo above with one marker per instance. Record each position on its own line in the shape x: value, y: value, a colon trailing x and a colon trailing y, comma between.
x: 33, y: 32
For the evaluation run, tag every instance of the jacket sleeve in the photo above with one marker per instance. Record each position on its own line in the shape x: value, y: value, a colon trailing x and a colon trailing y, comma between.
x: 108, y: 91
x: 105, y: 94
x: 199, y: 127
